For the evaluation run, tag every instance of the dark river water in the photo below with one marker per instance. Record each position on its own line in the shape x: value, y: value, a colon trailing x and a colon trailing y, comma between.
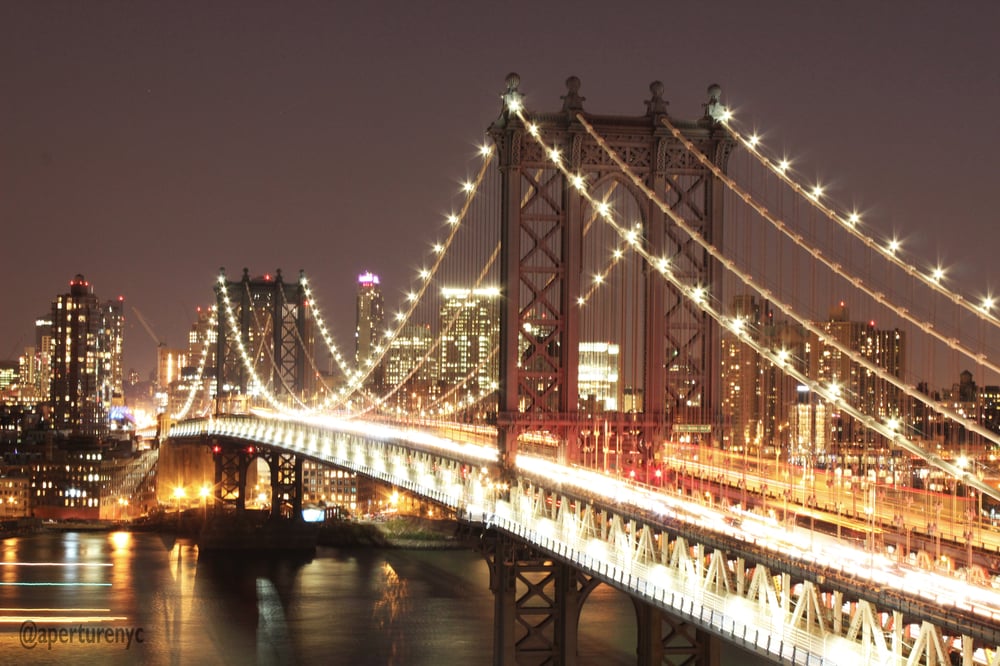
x: 108, y: 598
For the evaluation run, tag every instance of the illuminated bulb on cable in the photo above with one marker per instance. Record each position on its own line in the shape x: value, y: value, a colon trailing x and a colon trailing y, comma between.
x: 854, y: 218
x: 424, y: 273
x: 598, y: 279
x: 783, y: 166
x: 467, y: 186
x: 438, y: 248
x: 727, y: 115
x: 618, y: 254
x: 578, y: 182
x: 663, y: 265
x: 893, y: 245
x: 988, y: 303
x: 783, y: 356
x: 485, y: 149
x: 554, y: 155
x: 698, y: 295
x: 604, y: 209
x: 754, y: 140
x: 580, y: 300
x: 453, y: 219
x: 514, y: 105
x: 817, y: 192
x: 411, y: 296
x: 938, y: 274
x: 399, y: 317
x: 533, y: 129
x: 631, y: 237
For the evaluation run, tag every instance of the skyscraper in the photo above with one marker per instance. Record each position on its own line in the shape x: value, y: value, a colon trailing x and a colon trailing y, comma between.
x: 884, y: 348
x: 86, y: 359
x: 470, y: 330
x: 741, y: 377
x: 370, y: 317
x: 410, y: 363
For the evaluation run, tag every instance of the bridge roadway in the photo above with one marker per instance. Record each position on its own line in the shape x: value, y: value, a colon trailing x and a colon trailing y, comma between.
x: 748, y: 580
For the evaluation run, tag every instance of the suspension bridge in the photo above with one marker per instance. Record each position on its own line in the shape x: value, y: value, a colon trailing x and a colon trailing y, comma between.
x: 612, y: 301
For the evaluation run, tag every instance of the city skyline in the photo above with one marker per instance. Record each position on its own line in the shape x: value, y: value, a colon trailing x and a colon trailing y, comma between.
x: 165, y: 144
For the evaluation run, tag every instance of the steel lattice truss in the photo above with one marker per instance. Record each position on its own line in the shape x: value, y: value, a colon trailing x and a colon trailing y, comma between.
x: 544, y: 221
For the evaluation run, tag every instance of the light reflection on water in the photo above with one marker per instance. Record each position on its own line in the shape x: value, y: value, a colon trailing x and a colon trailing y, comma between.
x: 355, y: 607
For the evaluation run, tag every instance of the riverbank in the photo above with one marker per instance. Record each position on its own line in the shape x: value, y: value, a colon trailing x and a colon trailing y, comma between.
x: 403, y: 532
x: 410, y: 532
x: 19, y: 527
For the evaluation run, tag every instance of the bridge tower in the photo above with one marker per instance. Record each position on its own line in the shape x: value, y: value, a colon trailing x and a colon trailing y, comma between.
x: 543, y: 218
x: 271, y: 324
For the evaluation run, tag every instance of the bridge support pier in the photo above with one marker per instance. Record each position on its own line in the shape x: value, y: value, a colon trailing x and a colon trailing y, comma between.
x: 232, y: 465
x: 665, y: 639
x: 537, y: 604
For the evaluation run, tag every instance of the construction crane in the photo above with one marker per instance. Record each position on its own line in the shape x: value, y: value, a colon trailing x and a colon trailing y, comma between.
x: 149, y: 329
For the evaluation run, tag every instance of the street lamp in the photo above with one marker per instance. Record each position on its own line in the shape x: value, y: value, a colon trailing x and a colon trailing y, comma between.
x: 179, y: 494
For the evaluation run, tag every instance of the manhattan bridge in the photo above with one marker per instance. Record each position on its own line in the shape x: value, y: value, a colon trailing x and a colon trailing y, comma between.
x: 629, y: 359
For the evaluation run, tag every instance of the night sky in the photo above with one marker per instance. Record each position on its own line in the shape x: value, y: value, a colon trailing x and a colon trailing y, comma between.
x: 146, y: 145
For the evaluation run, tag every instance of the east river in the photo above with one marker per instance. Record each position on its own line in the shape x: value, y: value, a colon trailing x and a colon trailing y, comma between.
x: 99, y: 597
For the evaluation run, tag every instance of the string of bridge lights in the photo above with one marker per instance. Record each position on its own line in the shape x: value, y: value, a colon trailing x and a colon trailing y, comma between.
x: 351, y: 374
x: 700, y: 296
x: 425, y: 277
x: 781, y: 305
x: 199, y: 375
x: 817, y: 253
x: 357, y: 376
x: 889, y: 250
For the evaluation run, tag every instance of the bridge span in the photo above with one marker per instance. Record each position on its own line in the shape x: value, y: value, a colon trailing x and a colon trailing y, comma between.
x: 696, y: 574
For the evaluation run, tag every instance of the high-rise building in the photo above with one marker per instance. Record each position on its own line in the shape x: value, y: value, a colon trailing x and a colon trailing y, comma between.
x: 369, y: 323
x: 114, y: 336
x: 989, y: 407
x: 742, y: 390
x: 36, y: 364
x: 410, y: 363
x: 86, y: 359
x: 178, y: 371
x: 470, y: 331
x: 779, y: 392
x: 598, y: 377
x: 858, y: 385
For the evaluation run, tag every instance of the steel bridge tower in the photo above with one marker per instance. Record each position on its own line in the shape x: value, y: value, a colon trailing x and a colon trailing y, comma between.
x: 542, y: 218
x: 275, y: 332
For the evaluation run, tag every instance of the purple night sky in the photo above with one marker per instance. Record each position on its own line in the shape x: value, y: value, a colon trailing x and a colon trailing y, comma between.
x: 146, y: 144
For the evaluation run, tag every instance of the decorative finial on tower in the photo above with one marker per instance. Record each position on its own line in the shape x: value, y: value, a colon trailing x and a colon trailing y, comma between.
x: 513, y: 100
x: 657, y: 104
x: 714, y: 108
x: 572, y: 100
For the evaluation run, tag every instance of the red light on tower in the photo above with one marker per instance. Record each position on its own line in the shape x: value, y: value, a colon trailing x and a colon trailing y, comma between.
x: 250, y: 450
x: 216, y: 449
